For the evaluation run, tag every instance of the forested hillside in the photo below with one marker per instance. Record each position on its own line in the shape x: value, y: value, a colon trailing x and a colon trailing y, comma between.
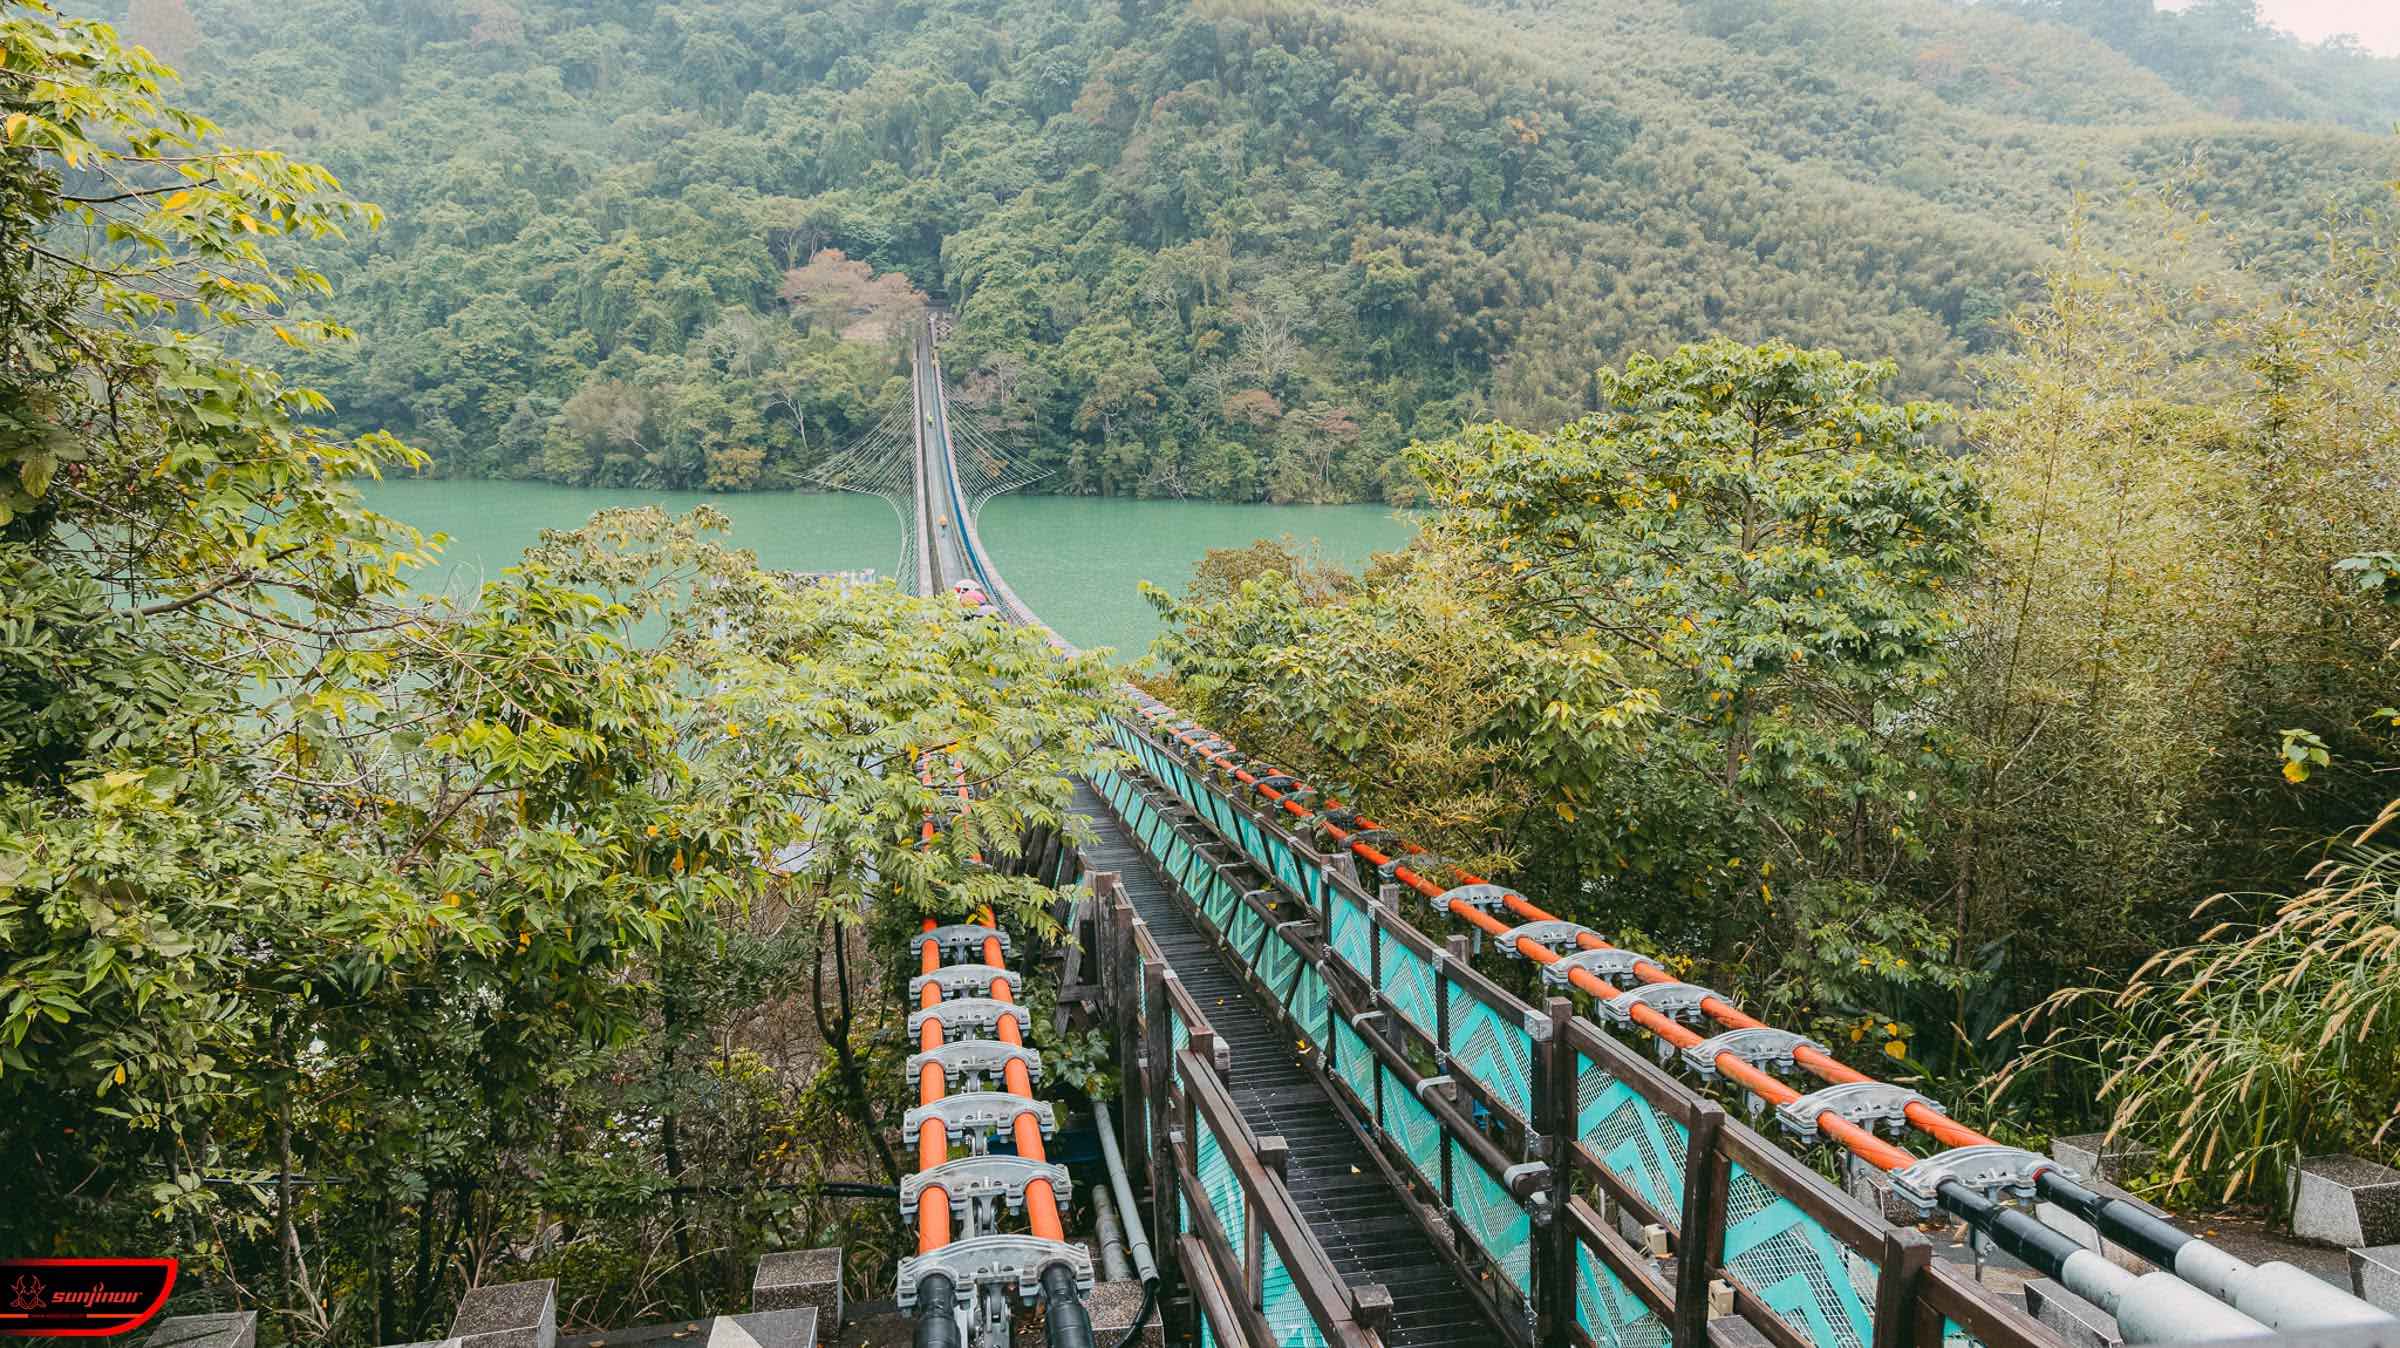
x: 1232, y: 248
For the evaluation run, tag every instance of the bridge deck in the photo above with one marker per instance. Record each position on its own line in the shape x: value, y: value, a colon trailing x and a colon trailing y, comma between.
x: 1366, y: 1231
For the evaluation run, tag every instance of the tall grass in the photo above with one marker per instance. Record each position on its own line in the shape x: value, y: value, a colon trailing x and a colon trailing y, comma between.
x: 2258, y: 1045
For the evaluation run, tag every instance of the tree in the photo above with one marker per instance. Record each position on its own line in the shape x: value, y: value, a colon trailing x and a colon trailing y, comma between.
x: 1752, y: 532
x: 342, y: 930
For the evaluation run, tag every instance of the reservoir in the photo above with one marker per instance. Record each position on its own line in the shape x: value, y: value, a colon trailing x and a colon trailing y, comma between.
x: 1077, y: 560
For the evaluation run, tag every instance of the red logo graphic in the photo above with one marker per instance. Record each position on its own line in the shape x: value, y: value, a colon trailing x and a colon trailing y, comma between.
x: 82, y: 1298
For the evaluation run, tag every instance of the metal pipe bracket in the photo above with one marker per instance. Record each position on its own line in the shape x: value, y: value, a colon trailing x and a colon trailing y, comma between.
x: 1610, y: 965
x: 970, y: 1179
x: 964, y: 940
x: 1761, y: 1046
x: 984, y: 1112
x: 1482, y: 898
x: 961, y: 980
x: 1013, y: 1263
x: 980, y: 1014
x: 1556, y: 934
x: 1677, y: 1001
x: 1988, y: 1168
x: 976, y: 1063
x: 1864, y: 1103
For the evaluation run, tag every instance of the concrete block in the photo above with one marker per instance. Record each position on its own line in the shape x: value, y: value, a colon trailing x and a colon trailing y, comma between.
x: 2347, y: 1201
x: 2059, y: 1219
x: 2097, y: 1156
x: 790, y: 1279
x: 509, y: 1315
x: 765, y: 1329
x: 237, y: 1330
x: 2079, y: 1322
x: 1113, y: 1306
x: 1872, y: 1188
x: 2375, y: 1276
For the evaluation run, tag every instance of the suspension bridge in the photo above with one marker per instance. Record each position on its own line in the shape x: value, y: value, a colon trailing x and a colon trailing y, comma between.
x: 1373, y: 1099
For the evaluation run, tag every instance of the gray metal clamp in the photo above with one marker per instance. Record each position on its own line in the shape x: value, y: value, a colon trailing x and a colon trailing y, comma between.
x: 980, y: 1014
x: 1013, y: 1263
x: 1483, y: 898
x: 1680, y: 1001
x: 961, y: 980
x: 963, y: 940
x: 976, y: 1063
x: 1551, y: 934
x: 1608, y: 964
x: 972, y: 1178
x: 974, y: 1112
x: 1761, y: 1046
x: 1988, y: 1168
x: 1865, y: 1103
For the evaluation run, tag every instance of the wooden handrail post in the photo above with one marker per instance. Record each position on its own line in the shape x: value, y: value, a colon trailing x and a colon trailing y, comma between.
x: 1554, y: 1113
x: 1703, y: 1225
x: 1905, y: 1255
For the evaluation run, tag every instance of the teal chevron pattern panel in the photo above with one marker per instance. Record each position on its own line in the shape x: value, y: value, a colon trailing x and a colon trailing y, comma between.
x: 1631, y: 1139
x: 1407, y: 982
x: 1608, y: 1310
x: 1493, y: 1048
x: 1413, y: 1126
x: 1350, y: 935
x: 1499, y: 1227
x: 1224, y: 1190
x: 1809, y: 1279
x: 1309, y: 1006
x: 1356, y: 1064
x: 1288, y: 1320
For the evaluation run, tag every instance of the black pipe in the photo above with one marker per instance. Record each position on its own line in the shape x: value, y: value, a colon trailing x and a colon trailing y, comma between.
x: 2123, y: 1222
x: 1070, y: 1324
x: 2016, y: 1232
x: 937, y: 1313
x: 1141, y: 1319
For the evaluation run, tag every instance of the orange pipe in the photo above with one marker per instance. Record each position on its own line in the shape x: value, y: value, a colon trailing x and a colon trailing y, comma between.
x: 1860, y: 1141
x: 933, y: 1142
x: 1041, y: 1202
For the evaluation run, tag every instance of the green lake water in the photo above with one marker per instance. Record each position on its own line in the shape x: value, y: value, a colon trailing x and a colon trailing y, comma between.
x: 1076, y: 560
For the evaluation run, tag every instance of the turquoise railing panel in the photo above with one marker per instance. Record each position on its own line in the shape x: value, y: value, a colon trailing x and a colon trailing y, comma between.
x: 1493, y: 1048
x: 1413, y: 1126
x: 1278, y: 964
x: 1492, y: 1219
x: 1223, y: 1187
x: 1608, y: 1310
x: 1350, y: 935
x: 1805, y: 1276
x: 1356, y: 1064
x: 1248, y: 930
x: 1288, y: 1320
x: 1630, y: 1138
x: 1311, y: 1006
x: 1407, y: 983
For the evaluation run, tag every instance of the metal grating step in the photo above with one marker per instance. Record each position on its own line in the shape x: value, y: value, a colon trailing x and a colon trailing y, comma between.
x: 1366, y: 1230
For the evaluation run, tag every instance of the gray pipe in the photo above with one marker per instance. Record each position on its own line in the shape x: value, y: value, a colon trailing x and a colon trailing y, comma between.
x: 1112, y: 1238
x: 1143, y: 1264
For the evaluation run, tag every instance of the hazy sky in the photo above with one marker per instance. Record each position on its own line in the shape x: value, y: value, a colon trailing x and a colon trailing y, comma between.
x: 2377, y: 22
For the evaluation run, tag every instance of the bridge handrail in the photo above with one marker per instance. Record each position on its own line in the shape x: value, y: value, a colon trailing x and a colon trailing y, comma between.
x: 1204, y: 1161
x: 1584, y: 1101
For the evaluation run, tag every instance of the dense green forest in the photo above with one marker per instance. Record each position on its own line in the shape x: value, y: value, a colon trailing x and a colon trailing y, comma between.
x: 1241, y: 249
